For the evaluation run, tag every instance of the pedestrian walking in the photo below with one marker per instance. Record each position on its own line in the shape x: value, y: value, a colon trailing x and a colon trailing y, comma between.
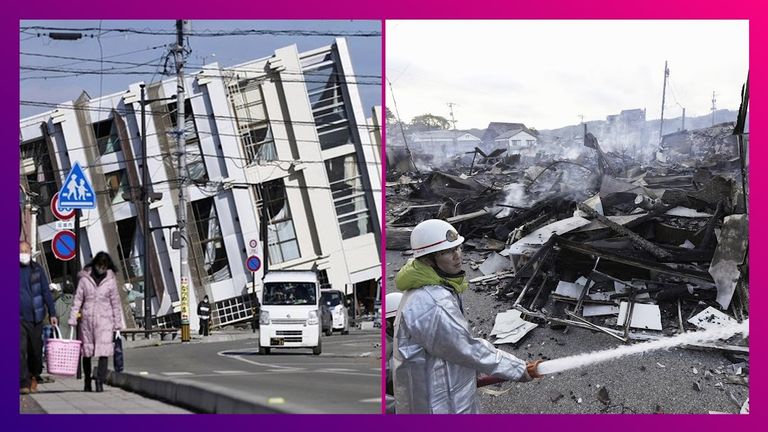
x: 35, y: 299
x: 98, y: 303
x: 204, y: 313
x: 436, y: 357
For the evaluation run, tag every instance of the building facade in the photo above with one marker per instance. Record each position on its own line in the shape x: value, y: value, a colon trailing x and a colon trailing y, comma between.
x: 518, y: 141
x: 278, y: 151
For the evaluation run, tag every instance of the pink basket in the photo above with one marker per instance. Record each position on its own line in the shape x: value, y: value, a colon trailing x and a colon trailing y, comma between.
x: 62, y: 355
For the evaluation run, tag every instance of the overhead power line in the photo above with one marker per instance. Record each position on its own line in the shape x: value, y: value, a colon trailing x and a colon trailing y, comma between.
x: 207, y: 33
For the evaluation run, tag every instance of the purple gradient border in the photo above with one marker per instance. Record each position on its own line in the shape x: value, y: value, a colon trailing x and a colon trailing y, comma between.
x: 381, y: 9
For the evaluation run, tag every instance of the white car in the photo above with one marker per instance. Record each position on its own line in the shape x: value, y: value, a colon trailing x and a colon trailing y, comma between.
x: 334, y: 300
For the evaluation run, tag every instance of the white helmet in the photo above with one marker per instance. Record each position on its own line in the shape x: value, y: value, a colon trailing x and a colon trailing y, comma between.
x: 434, y: 235
x: 393, y: 302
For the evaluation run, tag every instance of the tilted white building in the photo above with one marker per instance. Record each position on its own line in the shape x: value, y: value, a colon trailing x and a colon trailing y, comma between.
x: 286, y: 133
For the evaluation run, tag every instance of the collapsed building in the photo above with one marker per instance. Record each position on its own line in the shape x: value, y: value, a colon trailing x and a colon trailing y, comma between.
x: 633, y: 247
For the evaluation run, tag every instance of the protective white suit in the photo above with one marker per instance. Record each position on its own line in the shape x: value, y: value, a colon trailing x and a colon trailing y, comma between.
x: 436, y: 358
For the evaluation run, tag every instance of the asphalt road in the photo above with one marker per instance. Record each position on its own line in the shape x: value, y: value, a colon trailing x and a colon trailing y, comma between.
x: 345, y: 378
x: 660, y: 381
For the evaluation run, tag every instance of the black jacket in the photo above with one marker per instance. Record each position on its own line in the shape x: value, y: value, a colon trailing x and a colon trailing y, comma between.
x: 34, y: 294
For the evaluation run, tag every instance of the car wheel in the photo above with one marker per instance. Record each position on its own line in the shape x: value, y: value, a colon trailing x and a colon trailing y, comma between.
x: 264, y: 350
x: 318, y: 349
x: 328, y: 332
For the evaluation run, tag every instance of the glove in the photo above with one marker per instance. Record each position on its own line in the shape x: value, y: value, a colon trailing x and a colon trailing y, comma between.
x: 530, y: 367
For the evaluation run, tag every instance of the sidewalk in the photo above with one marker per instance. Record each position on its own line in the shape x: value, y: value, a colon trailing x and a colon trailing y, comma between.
x: 66, y: 396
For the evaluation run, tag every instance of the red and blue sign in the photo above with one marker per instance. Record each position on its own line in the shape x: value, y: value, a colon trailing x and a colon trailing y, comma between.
x: 253, y: 263
x: 64, y: 245
x: 60, y: 213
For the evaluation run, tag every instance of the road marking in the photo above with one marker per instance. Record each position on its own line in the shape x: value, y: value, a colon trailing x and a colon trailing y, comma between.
x: 176, y: 373
x: 336, y: 370
x: 229, y: 372
x: 371, y: 400
x: 267, y: 365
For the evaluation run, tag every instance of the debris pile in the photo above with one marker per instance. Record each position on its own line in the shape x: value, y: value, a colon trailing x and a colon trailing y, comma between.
x: 601, y: 241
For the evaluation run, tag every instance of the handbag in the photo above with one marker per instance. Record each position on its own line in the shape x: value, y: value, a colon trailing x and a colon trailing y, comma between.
x: 117, y: 358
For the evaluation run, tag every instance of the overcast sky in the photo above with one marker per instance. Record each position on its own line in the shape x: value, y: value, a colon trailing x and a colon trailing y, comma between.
x: 137, y: 48
x: 546, y: 73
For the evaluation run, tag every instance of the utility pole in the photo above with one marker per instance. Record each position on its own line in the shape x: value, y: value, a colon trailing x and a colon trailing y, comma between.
x: 581, y: 117
x: 663, y: 96
x: 714, y: 107
x: 179, y: 54
x: 453, y: 120
x: 146, y: 196
x: 683, y: 119
x: 145, y: 216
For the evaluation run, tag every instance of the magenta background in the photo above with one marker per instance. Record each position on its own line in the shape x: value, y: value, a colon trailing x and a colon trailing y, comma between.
x: 381, y: 9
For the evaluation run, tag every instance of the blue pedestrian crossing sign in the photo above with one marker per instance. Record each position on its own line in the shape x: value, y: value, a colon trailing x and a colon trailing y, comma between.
x: 77, y: 192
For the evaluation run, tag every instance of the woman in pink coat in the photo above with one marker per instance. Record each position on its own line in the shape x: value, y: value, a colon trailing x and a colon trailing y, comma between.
x: 98, y: 303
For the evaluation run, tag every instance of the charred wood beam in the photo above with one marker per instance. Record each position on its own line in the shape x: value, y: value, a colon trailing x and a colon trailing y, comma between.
x: 539, y: 255
x: 527, y: 188
x: 707, y: 241
x: 648, y: 265
x: 644, y: 244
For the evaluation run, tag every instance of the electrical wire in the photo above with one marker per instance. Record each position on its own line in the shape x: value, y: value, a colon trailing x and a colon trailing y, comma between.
x: 206, y: 32
x: 249, y: 120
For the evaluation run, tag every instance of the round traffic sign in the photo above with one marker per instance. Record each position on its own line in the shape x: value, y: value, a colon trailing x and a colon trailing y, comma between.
x: 253, y: 263
x: 60, y: 213
x: 64, y: 245
x: 253, y: 243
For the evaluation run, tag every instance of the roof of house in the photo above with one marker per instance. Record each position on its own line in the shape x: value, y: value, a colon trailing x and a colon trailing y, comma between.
x: 441, y: 134
x: 510, y: 134
x: 498, y: 128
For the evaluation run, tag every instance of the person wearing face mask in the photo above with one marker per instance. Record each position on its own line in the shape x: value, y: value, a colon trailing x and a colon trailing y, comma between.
x: 98, y: 302
x: 437, y: 360
x: 35, y: 298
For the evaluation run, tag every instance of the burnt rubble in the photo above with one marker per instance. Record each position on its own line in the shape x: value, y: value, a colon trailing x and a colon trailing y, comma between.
x: 600, y: 241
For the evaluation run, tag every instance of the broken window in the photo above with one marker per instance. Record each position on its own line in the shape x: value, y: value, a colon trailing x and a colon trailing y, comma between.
x: 194, y: 154
x: 258, y: 143
x: 117, y: 185
x: 252, y: 122
x: 328, y: 107
x: 107, y: 139
x: 211, y: 241
x: 130, y: 252
x: 36, y: 166
x: 281, y: 235
x: 349, y: 196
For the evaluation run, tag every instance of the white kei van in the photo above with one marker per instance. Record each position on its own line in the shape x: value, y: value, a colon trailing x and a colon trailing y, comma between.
x: 290, y: 311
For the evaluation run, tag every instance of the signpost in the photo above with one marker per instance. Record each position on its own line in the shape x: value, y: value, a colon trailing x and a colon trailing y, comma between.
x: 253, y: 263
x: 64, y: 245
x: 60, y: 213
x: 76, y: 191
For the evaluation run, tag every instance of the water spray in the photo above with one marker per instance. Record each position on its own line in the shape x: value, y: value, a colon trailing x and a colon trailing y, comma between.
x: 581, y: 360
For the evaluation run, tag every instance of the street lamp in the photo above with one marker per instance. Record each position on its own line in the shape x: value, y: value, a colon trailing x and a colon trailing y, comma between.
x: 146, y: 196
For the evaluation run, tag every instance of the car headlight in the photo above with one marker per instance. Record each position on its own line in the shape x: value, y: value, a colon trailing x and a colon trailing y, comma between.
x: 264, y: 318
x: 312, y: 318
